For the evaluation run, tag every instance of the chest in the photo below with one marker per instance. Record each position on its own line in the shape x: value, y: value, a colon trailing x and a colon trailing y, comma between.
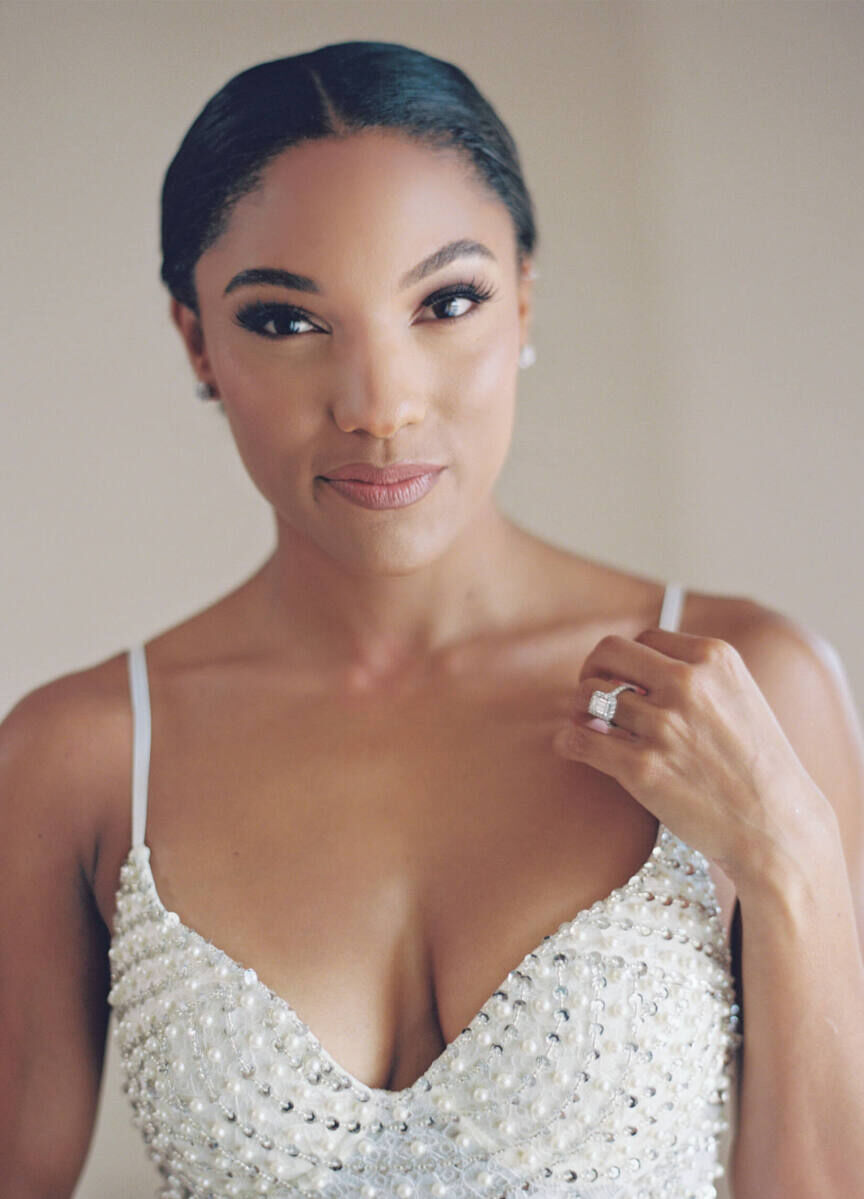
x: 605, y: 1054
x: 382, y: 862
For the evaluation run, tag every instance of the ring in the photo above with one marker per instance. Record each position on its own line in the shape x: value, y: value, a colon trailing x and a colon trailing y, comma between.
x: 602, y: 704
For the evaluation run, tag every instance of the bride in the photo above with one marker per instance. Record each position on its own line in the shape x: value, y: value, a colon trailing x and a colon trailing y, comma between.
x: 433, y: 859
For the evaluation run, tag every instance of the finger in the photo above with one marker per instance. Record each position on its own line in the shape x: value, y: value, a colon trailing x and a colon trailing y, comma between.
x: 614, y: 753
x: 567, y: 740
x: 651, y: 666
x: 686, y: 647
x: 631, y: 711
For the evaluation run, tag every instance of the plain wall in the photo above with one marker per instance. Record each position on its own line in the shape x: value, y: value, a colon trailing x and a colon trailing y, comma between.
x: 696, y: 408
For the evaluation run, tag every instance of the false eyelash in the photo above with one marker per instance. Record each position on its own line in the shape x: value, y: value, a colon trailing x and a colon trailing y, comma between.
x: 252, y: 316
x: 474, y: 289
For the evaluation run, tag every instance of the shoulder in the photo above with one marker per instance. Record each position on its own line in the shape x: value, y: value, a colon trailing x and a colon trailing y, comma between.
x: 800, y: 673
x: 796, y: 667
x: 803, y: 678
x: 64, y: 748
x: 769, y: 637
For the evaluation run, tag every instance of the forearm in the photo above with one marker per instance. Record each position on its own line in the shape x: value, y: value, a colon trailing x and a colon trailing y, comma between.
x: 801, y: 1100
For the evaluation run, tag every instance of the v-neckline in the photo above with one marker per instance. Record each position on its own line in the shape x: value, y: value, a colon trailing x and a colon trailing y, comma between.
x: 141, y: 853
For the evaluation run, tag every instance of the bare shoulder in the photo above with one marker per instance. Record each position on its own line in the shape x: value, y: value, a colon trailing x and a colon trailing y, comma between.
x: 803, y: 678
x: 65, y: 747
x: 58, y: 746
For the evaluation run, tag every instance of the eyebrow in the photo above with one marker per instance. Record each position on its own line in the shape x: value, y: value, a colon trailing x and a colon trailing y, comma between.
x: 462, y: 248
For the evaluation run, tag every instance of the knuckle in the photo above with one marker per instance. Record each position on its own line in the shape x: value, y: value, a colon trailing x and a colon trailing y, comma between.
x: 717, y: 651
x: 688, y: 681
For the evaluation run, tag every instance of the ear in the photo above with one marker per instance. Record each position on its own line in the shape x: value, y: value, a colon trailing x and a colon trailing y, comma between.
x: 189, y: 327
x: 527, y: 276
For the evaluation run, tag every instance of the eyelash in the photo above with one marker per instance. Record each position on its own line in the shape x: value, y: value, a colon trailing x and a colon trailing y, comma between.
x: 255, y: 315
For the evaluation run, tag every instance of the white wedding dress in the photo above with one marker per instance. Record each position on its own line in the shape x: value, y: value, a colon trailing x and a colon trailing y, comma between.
x: 600, y: 1068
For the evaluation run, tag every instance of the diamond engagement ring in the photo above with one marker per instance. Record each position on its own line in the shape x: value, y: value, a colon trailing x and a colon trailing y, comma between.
x: 602, y: 704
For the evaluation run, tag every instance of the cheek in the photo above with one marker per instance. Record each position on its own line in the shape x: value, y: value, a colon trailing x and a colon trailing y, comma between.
x: 484, y: 396
x: 496, y: 367
x: 258, y: 384
x: 272, y: 428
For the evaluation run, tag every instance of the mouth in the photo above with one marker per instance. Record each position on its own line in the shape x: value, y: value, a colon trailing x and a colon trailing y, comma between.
x: 365, y: 472
x: 399, y: 492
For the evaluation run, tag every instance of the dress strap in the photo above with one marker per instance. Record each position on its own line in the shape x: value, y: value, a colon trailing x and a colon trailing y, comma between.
x: 140, y: 693
x: 673, y: 603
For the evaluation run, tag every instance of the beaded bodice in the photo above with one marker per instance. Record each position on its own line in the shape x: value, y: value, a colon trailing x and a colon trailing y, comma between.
x: 600, y: 1068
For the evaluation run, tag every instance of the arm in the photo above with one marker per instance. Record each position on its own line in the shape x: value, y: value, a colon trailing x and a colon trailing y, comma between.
x: 801, y: 1088
x: 53, y: 952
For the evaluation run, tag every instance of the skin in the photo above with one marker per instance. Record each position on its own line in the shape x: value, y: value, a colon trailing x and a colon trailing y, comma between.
x: 419, y: 634
x: 365, y: 740
x: 385, y: 382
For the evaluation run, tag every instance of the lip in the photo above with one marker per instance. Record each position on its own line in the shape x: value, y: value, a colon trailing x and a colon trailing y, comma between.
x: 400, y: 494
x: 365, y: 472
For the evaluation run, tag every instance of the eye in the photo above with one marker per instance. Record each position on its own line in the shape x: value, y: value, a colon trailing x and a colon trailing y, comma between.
x: 273, y: 320
x: 475, y: 292
x: 445, y: 303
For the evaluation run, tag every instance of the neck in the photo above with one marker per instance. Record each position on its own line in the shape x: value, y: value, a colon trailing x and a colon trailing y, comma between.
x: 376, y: 623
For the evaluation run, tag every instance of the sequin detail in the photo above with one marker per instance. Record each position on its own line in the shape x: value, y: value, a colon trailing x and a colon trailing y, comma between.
x: 600, y: 1068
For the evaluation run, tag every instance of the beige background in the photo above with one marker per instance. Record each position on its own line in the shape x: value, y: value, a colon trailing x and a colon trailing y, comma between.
x: 696, y: 408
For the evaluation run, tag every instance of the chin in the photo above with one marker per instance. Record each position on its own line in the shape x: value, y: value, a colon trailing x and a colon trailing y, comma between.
x: 393, y: 552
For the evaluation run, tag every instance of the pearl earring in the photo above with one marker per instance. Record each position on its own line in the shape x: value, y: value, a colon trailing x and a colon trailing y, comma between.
x: 527, y: 356
x: 204, y: 391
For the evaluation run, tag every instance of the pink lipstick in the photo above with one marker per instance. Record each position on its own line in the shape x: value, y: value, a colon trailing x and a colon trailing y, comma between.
x: 393, y: 486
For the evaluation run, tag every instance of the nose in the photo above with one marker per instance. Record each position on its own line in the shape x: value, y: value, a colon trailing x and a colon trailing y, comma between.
x: 380, y: 390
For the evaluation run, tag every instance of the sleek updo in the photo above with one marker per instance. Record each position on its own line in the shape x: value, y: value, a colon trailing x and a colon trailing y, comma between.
x: 334, y: 91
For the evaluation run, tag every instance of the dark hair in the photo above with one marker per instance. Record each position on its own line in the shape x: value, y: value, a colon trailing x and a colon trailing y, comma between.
x: 334, y: 91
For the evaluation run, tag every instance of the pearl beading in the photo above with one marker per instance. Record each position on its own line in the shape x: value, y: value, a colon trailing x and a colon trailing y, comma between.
x: 599, y: 1069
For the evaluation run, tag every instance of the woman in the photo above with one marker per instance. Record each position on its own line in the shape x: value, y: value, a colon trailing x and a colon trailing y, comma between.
x: 432, y: 883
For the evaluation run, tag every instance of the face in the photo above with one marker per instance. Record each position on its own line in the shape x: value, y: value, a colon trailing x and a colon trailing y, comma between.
x: 365, y: 361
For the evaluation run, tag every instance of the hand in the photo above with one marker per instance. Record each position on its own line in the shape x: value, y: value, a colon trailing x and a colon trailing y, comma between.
x: 698, y: 745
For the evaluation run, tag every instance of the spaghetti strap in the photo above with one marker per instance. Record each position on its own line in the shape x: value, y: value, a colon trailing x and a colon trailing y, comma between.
x: 140, y: 694
x: 673, y: 603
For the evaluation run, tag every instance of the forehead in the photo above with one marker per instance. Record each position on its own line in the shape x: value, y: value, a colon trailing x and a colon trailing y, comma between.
x: 373, y: 196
